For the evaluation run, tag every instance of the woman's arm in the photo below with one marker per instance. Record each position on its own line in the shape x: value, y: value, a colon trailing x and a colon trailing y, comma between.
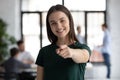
x: 40, y: 71
x: 78, y: 55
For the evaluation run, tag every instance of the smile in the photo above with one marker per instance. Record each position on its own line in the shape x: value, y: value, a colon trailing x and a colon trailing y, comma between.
x: 60, y: 31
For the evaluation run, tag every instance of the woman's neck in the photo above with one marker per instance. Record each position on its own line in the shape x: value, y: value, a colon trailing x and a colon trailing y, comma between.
x: 64, y: 41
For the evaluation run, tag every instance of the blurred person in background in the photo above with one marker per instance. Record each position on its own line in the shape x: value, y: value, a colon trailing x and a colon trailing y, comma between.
x: 105, y: 48
x: 80, y: 38
x: 24, y: 55
x: 13, y: 66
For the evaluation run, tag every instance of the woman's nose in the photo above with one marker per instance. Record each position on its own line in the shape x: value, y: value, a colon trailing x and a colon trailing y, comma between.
x: 59, y: 26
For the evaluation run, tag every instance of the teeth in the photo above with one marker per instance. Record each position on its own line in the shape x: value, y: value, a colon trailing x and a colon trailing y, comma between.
x: 60, y: 31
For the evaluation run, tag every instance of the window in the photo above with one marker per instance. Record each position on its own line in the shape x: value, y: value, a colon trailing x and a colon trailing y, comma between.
x: 86, y: 5
x: 38, y: 5
x: 31, y: 32
x: 79, y: 19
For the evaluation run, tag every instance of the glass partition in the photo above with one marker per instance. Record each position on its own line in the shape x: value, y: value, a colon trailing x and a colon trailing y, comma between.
x: 86, y: 5
x: 38, y: 5
x: 31, y: 33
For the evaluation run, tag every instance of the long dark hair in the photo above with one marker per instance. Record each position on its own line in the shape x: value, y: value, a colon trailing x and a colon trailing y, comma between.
x: 52, y: 38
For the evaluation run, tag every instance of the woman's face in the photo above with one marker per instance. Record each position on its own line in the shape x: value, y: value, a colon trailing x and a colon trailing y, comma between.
x: 59, y: 24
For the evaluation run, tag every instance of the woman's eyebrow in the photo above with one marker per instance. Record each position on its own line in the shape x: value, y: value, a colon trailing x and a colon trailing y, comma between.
x: 61, y: 18
x: 58, y: 19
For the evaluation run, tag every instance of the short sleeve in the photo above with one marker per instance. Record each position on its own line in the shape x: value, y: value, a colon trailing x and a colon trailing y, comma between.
x: 40, y: 58
x: 83, y: 46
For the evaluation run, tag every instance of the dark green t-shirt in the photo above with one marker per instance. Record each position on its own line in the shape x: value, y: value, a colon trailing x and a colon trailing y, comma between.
x: 58, y: 68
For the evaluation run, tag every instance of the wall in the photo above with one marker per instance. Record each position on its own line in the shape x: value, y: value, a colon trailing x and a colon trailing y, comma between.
x: 113, y: 19
x: 10, y: 12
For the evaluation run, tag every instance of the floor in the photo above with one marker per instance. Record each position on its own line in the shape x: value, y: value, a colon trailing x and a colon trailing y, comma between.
x: 97, y: 72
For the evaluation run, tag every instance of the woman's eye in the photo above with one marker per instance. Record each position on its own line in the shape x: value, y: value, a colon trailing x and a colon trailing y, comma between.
x: 62, y: 20
x: 52, y: 23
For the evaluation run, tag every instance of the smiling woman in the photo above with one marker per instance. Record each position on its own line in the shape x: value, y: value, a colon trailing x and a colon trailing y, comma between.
x: 65, y: 56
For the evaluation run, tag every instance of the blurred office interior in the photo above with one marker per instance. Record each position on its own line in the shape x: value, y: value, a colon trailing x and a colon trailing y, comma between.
x: 27, y: 19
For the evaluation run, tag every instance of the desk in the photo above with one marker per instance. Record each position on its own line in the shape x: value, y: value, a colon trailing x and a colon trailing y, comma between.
x: 96, y: 56
x: 28, y: 74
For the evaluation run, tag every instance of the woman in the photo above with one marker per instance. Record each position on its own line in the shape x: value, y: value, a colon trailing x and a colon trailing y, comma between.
x: 65, y: 58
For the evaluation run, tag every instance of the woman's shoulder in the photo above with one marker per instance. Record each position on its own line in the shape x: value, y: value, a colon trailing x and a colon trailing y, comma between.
x: 82, y: 46
x: 49, y: 46
x: 79, y: 44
